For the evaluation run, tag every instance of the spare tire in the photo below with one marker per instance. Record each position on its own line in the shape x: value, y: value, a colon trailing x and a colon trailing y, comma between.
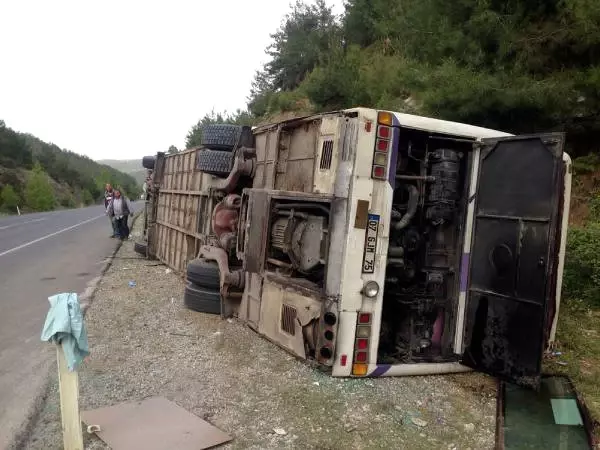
x: 204, y: 273
x: 202, y: 299
x: 141, y: 248
x: 214, y: 162
x: 148, y: 162
x: 225, y: 136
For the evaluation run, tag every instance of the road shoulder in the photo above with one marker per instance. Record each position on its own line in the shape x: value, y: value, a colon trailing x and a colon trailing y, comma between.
x: 21, y: 436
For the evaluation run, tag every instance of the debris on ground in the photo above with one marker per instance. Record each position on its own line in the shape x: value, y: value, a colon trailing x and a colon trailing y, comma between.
x: 418, y: 422
x: 226, y: 374
x: 152, y: 424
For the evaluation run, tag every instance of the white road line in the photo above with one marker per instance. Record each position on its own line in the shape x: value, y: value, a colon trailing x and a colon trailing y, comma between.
x: 27, y: 244
x: 21, y: 223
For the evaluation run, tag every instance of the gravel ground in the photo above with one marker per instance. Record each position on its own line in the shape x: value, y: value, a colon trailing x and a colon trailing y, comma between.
x: 145, y: 343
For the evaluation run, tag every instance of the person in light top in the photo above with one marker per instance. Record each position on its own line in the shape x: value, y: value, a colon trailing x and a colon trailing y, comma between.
x: 120, y: 209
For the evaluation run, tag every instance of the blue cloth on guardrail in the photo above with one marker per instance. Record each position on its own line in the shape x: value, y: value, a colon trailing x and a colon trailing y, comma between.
x: 64, y: 325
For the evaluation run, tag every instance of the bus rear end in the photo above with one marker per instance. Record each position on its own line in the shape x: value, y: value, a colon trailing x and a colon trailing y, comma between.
x: 380, y: 244
x: 454, y: 236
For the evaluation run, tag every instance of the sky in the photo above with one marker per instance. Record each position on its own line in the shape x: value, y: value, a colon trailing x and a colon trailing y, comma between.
x: 123, y: 79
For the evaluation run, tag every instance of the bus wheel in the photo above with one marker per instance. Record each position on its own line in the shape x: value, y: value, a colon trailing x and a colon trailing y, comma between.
x: 214, y: 162
x: 225, y: 136
x: 148, y: 162
x: 202, y: 300
x: 204, y: 273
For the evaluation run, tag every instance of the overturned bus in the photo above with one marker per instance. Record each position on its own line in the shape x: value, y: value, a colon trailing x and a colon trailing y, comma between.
x: 376, y: 243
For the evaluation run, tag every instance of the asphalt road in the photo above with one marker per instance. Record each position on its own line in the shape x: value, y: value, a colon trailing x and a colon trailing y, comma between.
x: 41, y: 254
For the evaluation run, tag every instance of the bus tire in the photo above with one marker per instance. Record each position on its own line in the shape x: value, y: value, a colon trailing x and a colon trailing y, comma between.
x: 226, y: 137
x: 148, y: 162
x: 202, y: 300
x: 214, y: 162
x: 204, y: 273
x: 141, y: 248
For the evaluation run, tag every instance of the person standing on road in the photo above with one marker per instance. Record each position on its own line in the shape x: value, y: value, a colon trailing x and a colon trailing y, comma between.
x: 108, y: 196
x: 120, y: 209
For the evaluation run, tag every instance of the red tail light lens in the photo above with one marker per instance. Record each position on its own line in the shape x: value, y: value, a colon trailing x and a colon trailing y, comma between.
x: 361, y: 357
x: 379, y: 172
x: 362, y: 344
x: 384, y: 132
x: 382, y: 146
x: 364, y: 318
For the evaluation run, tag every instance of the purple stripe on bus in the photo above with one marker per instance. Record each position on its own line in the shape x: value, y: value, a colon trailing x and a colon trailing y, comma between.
x: 380, y: 370
x: 464, y: 272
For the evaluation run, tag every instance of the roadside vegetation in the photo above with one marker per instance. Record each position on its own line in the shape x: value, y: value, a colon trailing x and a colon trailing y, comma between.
x: 520, y: 65
x: 38, y: 176
x: 578, y: 334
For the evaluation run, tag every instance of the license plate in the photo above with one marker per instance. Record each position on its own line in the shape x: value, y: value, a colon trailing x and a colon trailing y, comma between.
x: 371, y: 244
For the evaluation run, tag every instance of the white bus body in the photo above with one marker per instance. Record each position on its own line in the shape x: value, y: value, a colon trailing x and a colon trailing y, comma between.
x: 378, y: 243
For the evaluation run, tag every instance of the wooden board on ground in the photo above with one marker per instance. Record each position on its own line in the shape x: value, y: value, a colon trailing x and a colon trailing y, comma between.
x: 153, y: 424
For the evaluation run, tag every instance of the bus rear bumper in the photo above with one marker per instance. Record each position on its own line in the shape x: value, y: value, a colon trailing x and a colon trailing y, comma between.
x: 398, y: 370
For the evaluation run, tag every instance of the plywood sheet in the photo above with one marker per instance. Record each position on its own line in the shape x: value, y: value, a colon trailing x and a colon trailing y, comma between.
x: 153, y: 424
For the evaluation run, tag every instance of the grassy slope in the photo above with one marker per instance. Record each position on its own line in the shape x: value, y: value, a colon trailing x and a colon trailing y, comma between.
x: 578, y: 332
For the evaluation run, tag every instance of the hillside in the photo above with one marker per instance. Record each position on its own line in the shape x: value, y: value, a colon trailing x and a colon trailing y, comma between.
x: 132, y: 167
x: 40, y: 176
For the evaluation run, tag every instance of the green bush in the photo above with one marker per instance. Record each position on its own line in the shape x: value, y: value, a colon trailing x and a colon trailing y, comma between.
x: 68, y: 200
x: 87, y: 197
x: 582, y: 268
x: 39, y: 194
x: 9, y: 199
x: 586, y: 164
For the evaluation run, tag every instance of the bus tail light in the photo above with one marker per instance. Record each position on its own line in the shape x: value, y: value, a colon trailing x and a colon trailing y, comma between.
x: 383, y: 142
x: 361, y: 357
x: 359, y: 370
x: 361, y: 344
x: 364, y: 318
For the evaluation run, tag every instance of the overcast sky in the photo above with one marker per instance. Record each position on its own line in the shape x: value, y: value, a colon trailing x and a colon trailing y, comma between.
x: 123, y: 79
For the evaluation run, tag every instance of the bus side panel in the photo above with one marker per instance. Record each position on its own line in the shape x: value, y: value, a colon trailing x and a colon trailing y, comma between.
x: 566, y: 207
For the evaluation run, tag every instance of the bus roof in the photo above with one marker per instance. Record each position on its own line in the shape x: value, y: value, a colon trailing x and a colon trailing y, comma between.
x: 429, y: 124
x: 444, y: 126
